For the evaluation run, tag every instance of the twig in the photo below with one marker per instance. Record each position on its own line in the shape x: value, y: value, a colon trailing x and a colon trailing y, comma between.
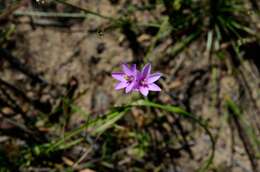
x: 185, y: 143
x: 17, y: 64
x: 49, y: 14
x: 36, y: 104
x: 12, y: 103
x: 235, y: 113
x: 9, y: 10
x: 247, y: 144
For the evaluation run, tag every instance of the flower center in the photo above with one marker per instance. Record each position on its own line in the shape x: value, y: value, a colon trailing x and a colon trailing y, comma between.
x: 129, y: 78
x: 143, y: 82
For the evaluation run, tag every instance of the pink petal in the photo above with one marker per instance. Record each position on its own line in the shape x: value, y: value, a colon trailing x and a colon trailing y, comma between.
x: 138, y: 75
x: 120, y: 85
x: 154, y: 77
x: 154, y: 87
x: 118, y: 76
x: 130, y: 87
x: 127, y: 70
x: 146, y: 70
x: 133, y: 67
x: 144, y: 91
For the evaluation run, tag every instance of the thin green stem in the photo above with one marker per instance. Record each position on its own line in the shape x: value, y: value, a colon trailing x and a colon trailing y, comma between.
x: 181, y: 112
x: 155, y: 39
x: 89, y: 11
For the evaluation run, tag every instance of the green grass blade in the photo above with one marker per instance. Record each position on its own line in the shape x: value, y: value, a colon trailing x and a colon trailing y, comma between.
x: 177, y: 110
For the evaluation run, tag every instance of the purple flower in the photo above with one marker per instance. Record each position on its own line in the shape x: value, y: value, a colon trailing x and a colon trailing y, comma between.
x: 133, y: 80
x: 146, y: 80
x: 127, y: 78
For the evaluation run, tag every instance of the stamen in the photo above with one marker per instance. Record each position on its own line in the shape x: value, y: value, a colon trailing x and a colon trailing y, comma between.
x: 129, y: 78
x: 143, y: 83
